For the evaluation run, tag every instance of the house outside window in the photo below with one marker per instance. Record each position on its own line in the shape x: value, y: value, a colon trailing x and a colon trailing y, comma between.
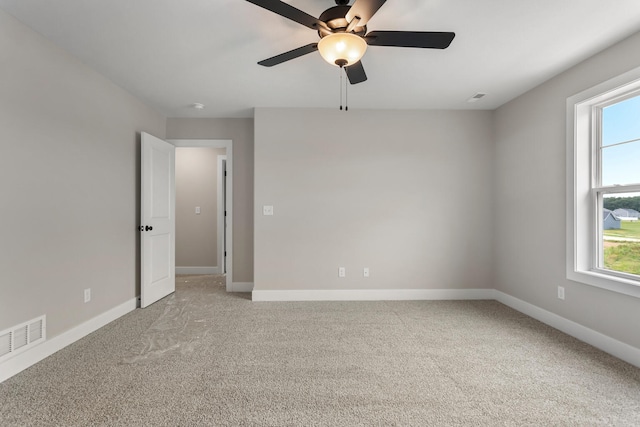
x: 603, y: 185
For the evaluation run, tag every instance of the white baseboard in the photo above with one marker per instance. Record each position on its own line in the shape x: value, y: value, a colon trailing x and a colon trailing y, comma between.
x: 242, y: 287
x: 22, y: 361
x: 371, y: 294
x: 605, y: 343
x: 198, y: 270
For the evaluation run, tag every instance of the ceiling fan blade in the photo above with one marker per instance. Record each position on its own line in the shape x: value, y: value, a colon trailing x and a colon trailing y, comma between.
x: 290, y: 12
x: 287, y: 56
x: 424, y: 39
x: 364, y: 9
x: 356, y: 73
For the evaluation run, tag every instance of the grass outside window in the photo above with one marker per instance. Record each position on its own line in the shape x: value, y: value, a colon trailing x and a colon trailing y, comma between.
x: 623, y: 255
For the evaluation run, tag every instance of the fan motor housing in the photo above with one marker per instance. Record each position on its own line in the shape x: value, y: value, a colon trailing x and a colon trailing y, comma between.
x: 335, y: 19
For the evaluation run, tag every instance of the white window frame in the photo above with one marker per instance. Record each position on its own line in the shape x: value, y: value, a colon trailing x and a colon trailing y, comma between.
x: 584, y: 219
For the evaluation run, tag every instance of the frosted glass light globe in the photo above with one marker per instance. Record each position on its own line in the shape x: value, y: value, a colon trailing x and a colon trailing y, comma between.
x: 342, y: 49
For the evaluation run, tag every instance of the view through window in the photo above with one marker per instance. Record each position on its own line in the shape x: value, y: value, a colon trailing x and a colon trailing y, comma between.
x: 617, y: 188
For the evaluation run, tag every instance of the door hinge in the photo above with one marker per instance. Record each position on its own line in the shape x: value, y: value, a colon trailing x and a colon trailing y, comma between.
x: 225, y: 173
x: 225, y: 213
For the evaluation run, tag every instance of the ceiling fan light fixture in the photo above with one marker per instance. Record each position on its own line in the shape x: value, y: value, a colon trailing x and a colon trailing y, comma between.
x: 342, y: 49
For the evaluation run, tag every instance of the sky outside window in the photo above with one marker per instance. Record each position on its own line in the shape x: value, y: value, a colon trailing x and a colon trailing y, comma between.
x: 621, y: 124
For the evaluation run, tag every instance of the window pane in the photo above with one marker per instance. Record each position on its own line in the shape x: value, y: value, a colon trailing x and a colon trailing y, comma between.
x: 621, y: 164
x: 621, y: 122
x: 621, y: 232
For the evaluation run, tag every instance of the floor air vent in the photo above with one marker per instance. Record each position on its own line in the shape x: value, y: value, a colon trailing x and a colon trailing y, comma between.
x: 21, y: 337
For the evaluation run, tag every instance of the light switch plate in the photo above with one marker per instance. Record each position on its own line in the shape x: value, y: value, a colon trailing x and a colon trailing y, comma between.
x: 197, y: 210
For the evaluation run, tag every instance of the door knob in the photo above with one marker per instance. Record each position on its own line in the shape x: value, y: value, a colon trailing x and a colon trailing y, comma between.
x: 148, y: 228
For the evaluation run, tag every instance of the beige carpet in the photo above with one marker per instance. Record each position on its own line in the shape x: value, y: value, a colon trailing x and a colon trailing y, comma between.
x: 205, y: 357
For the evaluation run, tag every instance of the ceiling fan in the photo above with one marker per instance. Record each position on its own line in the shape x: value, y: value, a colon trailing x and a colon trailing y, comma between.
x: 343, y: 34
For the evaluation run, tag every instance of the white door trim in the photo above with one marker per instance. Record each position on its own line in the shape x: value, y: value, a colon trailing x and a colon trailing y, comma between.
x: 228, y: 145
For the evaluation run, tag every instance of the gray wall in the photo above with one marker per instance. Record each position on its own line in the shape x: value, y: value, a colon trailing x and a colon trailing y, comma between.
x: 373, y: 189
x: 197, y: 185
x: 530, y: 156
x: 240, y: 131
x: 69, y: 180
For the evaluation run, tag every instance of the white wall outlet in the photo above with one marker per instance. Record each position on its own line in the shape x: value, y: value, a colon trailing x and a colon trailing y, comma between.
x: 342, y: 272
x: 87, y: 295
x: 365, y: 272
x: 560, y: 292
x: 197, y: 210
x: 267, y: 210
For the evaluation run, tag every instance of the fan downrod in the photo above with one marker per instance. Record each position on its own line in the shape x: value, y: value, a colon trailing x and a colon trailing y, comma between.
x: 342, y: 2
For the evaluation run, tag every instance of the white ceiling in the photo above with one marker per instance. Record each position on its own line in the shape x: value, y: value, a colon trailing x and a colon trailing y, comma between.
x: 173, y: 53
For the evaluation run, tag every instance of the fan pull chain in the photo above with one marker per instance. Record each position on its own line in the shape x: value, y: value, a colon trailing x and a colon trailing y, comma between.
x: 346, y: 92
x: 340, y: 69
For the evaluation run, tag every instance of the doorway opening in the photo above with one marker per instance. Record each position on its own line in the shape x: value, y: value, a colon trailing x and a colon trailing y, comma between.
x: 223, y: 224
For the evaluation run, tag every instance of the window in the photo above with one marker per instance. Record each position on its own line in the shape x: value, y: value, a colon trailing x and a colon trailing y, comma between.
x: 603, y: 185
x: 617, y: 188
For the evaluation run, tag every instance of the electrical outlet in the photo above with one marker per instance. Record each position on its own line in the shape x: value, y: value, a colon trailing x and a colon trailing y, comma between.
x: 342, y: 272
x: 267, y: 210
x: 561, y: 292
x: 87, y: 295
x: 365, y: 272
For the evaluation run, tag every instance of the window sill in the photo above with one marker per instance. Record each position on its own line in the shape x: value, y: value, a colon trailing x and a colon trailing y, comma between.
x: 605, y: 281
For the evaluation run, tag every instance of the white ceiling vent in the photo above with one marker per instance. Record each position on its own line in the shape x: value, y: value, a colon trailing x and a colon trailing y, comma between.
x: 22, y: 337
x: 477, y: 97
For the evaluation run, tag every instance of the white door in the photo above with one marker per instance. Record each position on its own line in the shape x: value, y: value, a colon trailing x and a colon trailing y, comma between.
x: 157, y: 222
